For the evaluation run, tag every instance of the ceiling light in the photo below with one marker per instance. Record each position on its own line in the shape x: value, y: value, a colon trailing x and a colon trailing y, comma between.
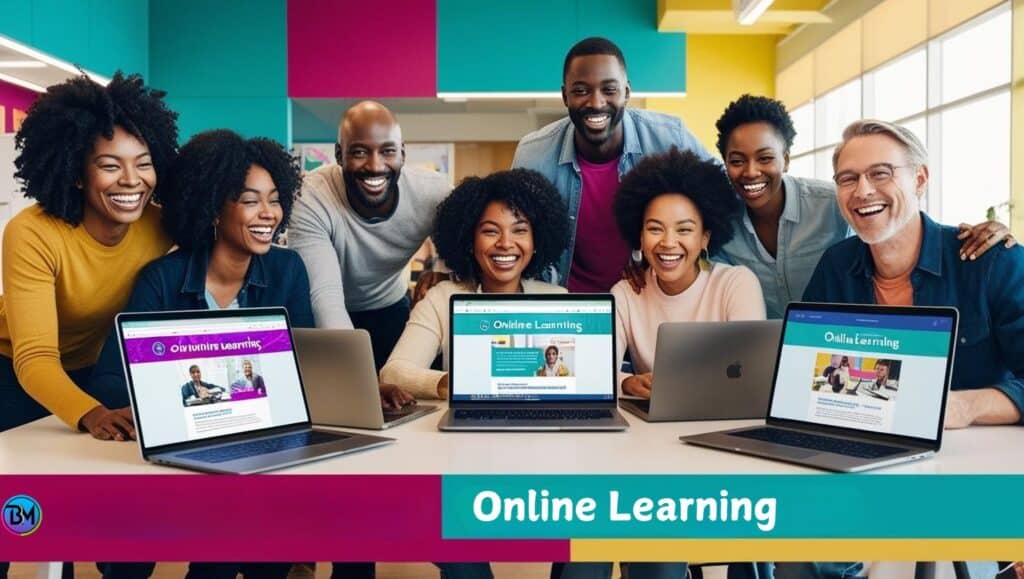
x: 46, y: 58
x: 21, y: 83
x: 748, y: 11
x: 22, y: 64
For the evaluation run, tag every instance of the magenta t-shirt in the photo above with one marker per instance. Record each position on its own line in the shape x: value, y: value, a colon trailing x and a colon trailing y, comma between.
x: 600, y: 252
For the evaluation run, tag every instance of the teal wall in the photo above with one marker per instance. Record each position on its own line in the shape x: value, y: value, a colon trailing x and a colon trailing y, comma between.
x: 223, y: 64
x: 100, y: 35
x: 520, y: 46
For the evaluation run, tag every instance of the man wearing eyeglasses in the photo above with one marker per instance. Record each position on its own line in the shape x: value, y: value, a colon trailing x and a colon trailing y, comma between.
x: 900, y: 256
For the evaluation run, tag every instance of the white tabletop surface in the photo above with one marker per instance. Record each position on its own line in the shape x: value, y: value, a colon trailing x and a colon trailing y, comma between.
x: 47, y: 446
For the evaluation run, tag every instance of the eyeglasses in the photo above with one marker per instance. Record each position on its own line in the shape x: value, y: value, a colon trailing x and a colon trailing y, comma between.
x: 878, y: 174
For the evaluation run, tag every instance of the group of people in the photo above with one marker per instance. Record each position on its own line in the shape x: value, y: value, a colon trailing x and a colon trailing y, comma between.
x: 610, y: 198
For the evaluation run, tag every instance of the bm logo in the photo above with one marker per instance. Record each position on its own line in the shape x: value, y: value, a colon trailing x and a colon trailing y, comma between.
x: 22, y: 515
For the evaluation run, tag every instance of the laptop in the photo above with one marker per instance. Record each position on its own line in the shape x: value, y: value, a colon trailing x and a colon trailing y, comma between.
x: 220, y: 391
x: 818, y: 420
x: 341, y: 381
x: 532, y: 362
x: 710, y: 371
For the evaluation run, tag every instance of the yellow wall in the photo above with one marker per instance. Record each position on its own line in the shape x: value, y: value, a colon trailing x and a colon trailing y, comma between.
x: 720, y: 68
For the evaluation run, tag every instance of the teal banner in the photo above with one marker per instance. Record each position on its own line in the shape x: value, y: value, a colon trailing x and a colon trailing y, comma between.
x: 504, y: 324
x: 732, y: 507
x: 907, y: 342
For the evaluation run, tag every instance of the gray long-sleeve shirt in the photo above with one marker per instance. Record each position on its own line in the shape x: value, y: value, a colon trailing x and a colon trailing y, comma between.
x: 354, y: 264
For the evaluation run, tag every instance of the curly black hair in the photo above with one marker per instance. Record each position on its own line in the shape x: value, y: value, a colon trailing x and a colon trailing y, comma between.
x: 526, y: 192
x: 61, y: 129
x: 209, y: 170
x: 754, y: 109
x: 703, y: 182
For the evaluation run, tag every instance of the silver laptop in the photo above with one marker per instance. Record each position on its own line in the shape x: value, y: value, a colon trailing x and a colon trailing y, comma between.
x: 710, y: 371
x: 532, y: 362
x: 834, y: 402
x: 220, y: 391
x: 341, y: 381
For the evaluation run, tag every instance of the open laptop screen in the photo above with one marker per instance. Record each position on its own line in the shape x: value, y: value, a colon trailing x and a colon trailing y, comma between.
x: 196, y: 378
x: 864, y: 369
x: 537, y: 349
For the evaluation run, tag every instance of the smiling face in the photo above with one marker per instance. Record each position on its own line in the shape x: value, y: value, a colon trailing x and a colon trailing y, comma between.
x: 551, y: 355
x: 755, y: 159
x: 596, y: 92
x: 249, y: 223
x: 195, y: 373
x: 672, y: 239
x: 371, y: 155
x: 502, y: 247
x: 878, y: 188
x: 119, y: 180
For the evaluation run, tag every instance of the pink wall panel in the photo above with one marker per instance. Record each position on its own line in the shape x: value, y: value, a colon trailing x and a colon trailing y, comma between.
x: 14, y: 97
x: 362, y: 48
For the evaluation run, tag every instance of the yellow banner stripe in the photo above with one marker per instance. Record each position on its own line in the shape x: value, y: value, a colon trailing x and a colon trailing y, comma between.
x: 695, y: 550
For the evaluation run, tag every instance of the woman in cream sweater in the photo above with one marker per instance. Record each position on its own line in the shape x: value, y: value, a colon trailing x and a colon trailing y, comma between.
x: 673, y: 209
x: 495, y: 234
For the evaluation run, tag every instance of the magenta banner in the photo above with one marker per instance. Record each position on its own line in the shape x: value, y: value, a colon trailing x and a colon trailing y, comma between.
x: 243, y: 518
x: 169, y: 348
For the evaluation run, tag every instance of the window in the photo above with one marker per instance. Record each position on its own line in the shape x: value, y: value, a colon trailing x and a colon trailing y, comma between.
x: 835, y: 110
x: 976, y: 55
x: 898, y: 89
x: 803, y: 122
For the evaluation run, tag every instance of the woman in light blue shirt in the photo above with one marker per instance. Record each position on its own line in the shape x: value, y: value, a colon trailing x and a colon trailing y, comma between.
x: 790, y: 221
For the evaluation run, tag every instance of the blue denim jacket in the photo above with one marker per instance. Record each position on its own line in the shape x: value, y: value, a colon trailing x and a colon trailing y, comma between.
x: 989, y: 292
x: 551, y: 151
x: 177, y: 281
x: 810, y: 224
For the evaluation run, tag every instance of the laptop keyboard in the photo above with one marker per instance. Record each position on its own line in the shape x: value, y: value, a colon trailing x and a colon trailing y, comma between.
x: 533, y: 414
x: 264, y: 446
x: 820, y: 443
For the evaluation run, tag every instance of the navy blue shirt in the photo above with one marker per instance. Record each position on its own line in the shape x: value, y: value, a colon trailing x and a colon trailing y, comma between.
x: 988, y: 292
x: 177, y: 281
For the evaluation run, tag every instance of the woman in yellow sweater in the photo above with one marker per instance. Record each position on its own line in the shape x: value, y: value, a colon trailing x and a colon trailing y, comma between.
x: 89, y: 155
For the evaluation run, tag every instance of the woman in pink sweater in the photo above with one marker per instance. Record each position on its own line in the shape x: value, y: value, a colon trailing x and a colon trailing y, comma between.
x: 673, y: 209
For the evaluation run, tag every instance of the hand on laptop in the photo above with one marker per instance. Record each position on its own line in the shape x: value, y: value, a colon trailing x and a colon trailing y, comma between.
x: 392, y: 396
x: 105, y: 424
x: 638, y: 385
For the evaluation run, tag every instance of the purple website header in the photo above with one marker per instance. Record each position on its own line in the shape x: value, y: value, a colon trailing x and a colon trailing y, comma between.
x: 171, y: 348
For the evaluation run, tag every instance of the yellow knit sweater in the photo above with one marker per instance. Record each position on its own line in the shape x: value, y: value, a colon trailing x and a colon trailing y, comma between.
x: 61, y: 290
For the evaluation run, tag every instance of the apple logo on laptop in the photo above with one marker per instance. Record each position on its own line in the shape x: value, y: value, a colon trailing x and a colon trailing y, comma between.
x: 734, y: 370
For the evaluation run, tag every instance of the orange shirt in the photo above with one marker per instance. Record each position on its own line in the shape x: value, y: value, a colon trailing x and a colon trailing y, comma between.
x: 897, y: 291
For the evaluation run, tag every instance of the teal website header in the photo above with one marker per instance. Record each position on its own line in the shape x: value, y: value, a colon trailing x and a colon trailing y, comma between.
x: 504, y: 324
x: 861, y: 339
x: 726, y: 507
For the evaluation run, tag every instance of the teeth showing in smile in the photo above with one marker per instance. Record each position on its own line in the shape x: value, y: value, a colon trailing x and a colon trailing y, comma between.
x: 504, y: 259
x: 375, y: 183
x: 262, y: 232
x: 755, y: 187
x: 869, y: 210
x: 126, y: 201
x: 669, y: 259
x: 597, y: 121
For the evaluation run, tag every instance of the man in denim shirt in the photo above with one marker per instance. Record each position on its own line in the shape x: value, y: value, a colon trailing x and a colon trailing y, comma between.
x: 901, y: 257
x: 586, y: 153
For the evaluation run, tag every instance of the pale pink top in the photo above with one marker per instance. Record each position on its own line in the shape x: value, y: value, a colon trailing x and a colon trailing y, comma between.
x: 724, y: 293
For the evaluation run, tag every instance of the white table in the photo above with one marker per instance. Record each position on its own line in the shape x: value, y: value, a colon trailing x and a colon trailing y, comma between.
x: 47, y: 446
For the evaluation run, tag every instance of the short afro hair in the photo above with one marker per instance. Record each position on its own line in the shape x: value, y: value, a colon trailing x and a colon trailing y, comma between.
x: 754, y: 109
x: 526, y: 192
x: 210, y: 169
x: 591, y: 46
x: 702, y: 182
x: 61, y: 129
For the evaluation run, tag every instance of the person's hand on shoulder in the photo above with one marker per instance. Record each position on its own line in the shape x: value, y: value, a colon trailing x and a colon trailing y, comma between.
x: 427, y: 280
x: 392, y: 396
x: 634, y: 273
x: 638, y: 385
x: 977, y: 239
x: 105, y: 424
